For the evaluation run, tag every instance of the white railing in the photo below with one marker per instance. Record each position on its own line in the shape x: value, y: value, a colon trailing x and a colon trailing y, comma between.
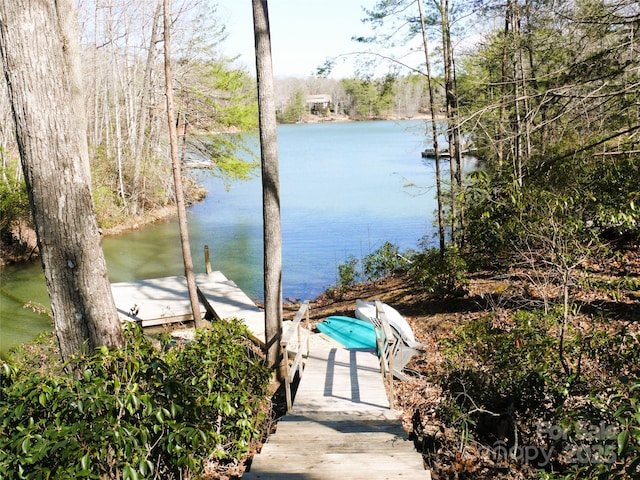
x: 294, y: 352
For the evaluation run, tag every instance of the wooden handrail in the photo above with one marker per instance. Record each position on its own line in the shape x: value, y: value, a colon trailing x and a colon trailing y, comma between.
x: 296, y: 363
x: 386, y: 349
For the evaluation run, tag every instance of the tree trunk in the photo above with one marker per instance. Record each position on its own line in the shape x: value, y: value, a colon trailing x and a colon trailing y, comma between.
x: 447, y: 58
x: 270, y: 187
x: 40, y: 55
x: 177, y: 174
x: 434, y: 132
x: 504, y: 86
x: 143, y: 110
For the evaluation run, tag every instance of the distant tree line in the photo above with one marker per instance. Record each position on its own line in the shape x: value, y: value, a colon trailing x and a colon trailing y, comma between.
x: 390, y: 96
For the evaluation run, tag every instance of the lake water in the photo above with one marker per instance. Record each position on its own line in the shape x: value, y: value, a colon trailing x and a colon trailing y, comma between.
x: 343, y: 193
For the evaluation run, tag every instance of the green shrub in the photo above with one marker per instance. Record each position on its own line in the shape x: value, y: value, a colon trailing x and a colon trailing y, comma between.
x: 14, y: 205
x: 348, y: 273
x: 136, y: 412
x: 383, y: 262
x: 440, y: 274
x: 626, y: 402
x: 610, y: 447
x: 505, y: 369
x: 505, y: 386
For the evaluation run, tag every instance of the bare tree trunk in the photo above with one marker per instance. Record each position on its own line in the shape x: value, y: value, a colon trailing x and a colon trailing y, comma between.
x: 504, y: 85
x: 454, y: 147
x: 40, y: 55
x: 517, y: 160
x: 116, y: 106
x: 434, y: 132
x: 270, y: 187
x: 177, y: 173
x: 143, y: 109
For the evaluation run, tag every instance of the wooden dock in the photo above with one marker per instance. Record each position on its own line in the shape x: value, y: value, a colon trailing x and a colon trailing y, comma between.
x: 340, y: 425
x: 165, y: 301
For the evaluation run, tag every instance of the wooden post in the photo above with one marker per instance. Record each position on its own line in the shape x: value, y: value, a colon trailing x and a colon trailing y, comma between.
x: 207, y: 262
x: 387, y: 353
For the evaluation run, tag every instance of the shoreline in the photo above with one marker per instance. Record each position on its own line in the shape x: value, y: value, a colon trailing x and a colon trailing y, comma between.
x: 27, y: 247
x: 311, y: 119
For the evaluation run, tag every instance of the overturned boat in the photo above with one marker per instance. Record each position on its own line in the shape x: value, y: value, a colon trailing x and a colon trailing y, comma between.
x: 402, y: 329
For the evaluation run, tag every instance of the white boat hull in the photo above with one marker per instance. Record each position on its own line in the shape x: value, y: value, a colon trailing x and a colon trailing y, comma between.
x: 367, y: 311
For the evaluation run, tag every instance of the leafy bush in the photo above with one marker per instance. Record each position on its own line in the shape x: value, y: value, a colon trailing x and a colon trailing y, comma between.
x: 506, y: 388
x: 14, y: 205
x: 506, y: 221
x: 503, y: 369
x: 440, y: 274
x: 348, y: 273
x: 380, y: 263
x: 626, y: 402
x: 385, y: 261
x: 136, y: 412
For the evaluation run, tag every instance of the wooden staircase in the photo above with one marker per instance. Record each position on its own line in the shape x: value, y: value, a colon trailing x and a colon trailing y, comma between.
x: 340, y: 426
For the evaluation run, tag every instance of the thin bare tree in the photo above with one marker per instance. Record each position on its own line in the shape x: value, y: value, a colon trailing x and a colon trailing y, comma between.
x: 434, y: 130
x: 177, y: 173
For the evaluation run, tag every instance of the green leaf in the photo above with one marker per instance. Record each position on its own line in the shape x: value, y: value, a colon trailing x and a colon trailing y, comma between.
x: 26, y: 445
x: 129, y: 473
x: 84, y: 462
x: 632, y: 469
x: 623, y: 439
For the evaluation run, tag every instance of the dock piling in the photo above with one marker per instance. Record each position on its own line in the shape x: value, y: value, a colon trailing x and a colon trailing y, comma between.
x: 207, y: 261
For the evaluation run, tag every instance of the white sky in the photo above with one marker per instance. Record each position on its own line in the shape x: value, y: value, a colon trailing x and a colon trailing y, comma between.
x: 303, y: 33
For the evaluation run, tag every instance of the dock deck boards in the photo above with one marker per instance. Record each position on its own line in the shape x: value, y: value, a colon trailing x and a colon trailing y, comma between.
x: 161, y: 301
x: 340, y: 425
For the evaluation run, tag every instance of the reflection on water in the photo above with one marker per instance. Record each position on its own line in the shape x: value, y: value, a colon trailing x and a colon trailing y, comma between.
x: 343, y: 193
x: 19, y: 286
x: 144, y: 253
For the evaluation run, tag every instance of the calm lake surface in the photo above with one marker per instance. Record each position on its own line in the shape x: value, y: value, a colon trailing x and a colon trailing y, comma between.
x: 344, y: 192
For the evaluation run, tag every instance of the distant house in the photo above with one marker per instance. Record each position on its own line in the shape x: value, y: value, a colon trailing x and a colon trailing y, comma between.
x: 319, y: 103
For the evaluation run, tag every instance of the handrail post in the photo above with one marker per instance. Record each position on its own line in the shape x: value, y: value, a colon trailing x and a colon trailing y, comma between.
x: 284, y: 345
x: 287, y: 384
x: 308, y: 333
x: 388, y: 351
x: 207, y: 261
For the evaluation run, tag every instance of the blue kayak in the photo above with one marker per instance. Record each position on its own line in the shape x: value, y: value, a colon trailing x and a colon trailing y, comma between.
x: 349, y: 332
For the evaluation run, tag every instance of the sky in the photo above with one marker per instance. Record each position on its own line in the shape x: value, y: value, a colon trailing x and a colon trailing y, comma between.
x: 304, y: 33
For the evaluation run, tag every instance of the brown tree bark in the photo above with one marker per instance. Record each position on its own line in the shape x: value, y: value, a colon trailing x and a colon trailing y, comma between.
x: 40, y: 55
x: 434, y: 132
x: 177, y: 174
x: 270, y: 186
